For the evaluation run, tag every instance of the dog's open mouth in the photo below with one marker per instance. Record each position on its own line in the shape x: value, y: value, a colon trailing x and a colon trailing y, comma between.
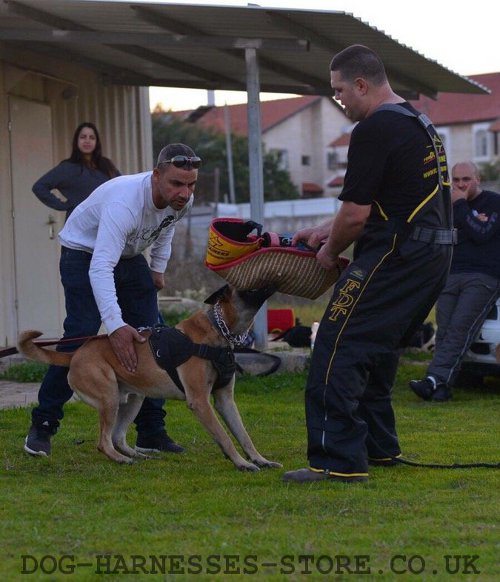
x: 256, y: 297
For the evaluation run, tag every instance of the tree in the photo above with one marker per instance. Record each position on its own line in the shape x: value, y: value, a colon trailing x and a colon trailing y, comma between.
x: 490, y: 171
x: 210, y: 145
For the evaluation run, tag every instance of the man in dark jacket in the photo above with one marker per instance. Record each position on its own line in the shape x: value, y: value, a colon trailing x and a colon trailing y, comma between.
x: 473, y: 284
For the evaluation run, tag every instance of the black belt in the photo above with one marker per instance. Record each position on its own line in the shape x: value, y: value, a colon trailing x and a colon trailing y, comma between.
x: 437, y: 236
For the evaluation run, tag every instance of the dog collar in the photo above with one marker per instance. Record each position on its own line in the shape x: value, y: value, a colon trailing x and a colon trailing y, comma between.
x: 215, y: 316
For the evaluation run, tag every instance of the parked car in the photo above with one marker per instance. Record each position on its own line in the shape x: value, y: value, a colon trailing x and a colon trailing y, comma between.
x: 480, y: 360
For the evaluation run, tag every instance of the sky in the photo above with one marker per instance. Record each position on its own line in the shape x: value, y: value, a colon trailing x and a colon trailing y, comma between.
x: 462, y: 36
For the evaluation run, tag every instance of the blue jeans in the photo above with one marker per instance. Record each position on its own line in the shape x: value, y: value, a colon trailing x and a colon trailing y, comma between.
x: 138, y: 302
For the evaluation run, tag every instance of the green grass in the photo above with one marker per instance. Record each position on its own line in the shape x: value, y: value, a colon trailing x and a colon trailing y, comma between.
x: 196, y: 506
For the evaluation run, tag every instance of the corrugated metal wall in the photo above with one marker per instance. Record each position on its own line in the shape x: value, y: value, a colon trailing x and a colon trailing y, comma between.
x: 74, y: 94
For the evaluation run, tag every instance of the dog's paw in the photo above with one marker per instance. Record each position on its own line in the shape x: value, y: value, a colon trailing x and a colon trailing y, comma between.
x: 123, y: 460
x: 265, y: 464
x: 247, y: 467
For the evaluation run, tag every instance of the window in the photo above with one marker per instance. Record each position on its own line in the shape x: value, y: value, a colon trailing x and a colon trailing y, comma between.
x: 306, y: 160
x: 332, y: 160
x: 281, y: 158
x: 481, y: 144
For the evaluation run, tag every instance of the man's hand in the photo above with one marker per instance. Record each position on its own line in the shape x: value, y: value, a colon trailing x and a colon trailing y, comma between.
x: 457, y: 194
x: 313, y: 236
x: 326, y: 259
x: 158, y: 280
x: 122, y: 342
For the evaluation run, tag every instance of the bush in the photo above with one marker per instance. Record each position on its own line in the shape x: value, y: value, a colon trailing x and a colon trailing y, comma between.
x: 172, y: 318
x: 25, y: 372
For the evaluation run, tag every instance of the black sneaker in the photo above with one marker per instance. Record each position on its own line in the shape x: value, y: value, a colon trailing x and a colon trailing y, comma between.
x: 158, y: 443
x: 37, y: 442
x: 423, y: 388
x: 442, y: 393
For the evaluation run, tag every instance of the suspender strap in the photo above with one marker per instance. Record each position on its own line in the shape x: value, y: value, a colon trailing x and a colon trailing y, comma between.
x: 426, y: 123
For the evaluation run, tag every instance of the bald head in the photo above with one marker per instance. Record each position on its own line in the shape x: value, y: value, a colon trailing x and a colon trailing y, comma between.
x: 466, y: 179
x: 468, y: 167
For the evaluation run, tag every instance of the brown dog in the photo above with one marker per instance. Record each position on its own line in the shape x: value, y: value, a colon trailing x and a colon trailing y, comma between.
x: 97, y: 376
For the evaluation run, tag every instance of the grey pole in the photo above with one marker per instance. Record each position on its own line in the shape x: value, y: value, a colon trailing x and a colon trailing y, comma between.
x: 229, y: 154
x: 256, y: 171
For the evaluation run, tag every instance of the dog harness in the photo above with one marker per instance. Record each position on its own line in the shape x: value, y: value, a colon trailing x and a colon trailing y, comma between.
x: 171, y: 348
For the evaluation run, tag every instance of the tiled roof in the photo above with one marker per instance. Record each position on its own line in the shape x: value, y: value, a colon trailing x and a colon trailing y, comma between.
x: 272, y: 113
x: 311, y: 188
x: 449, y: 109
x: 343, y: 140
x: 453, y: 108
x: 456, y: 108
x: 337, y: 181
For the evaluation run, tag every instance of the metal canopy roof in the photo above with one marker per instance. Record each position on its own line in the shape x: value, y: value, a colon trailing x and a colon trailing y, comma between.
x: 203, y: 47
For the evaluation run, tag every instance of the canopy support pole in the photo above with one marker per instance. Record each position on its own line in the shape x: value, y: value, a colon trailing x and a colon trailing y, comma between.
x: 256, y: 171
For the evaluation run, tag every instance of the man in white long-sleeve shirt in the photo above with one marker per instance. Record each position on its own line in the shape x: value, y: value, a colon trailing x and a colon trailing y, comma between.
x: 107, y: 279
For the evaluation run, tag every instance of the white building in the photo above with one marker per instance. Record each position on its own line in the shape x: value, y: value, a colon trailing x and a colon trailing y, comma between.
x: 299, y: 129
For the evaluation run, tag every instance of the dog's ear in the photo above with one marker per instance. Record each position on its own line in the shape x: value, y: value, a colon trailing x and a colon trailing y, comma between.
x: 212, y: 300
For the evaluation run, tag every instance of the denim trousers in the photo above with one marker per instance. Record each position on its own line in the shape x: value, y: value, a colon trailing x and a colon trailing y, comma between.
x: 138, y: 301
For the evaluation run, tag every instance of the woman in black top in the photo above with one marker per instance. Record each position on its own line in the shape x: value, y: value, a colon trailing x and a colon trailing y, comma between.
x: 79, y: 175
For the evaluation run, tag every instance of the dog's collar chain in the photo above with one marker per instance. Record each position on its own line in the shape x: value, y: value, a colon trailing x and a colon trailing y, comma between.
x: 235, y: 340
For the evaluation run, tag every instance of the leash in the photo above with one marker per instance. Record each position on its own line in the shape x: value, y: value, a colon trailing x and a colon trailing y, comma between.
x: 404, y: 461
x: 8, y: 352
x: 52, y: 342
x: 454, y: 466
x: 276, y: 360
x: 55, y: 342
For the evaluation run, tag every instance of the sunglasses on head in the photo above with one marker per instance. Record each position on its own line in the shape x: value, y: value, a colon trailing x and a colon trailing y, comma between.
x: 181, y: 161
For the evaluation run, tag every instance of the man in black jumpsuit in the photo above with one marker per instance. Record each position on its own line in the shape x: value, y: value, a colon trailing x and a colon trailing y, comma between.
x: 396, y: 208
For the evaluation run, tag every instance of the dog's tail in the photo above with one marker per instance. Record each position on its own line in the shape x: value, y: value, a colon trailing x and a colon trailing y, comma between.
x: 28, y: 348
